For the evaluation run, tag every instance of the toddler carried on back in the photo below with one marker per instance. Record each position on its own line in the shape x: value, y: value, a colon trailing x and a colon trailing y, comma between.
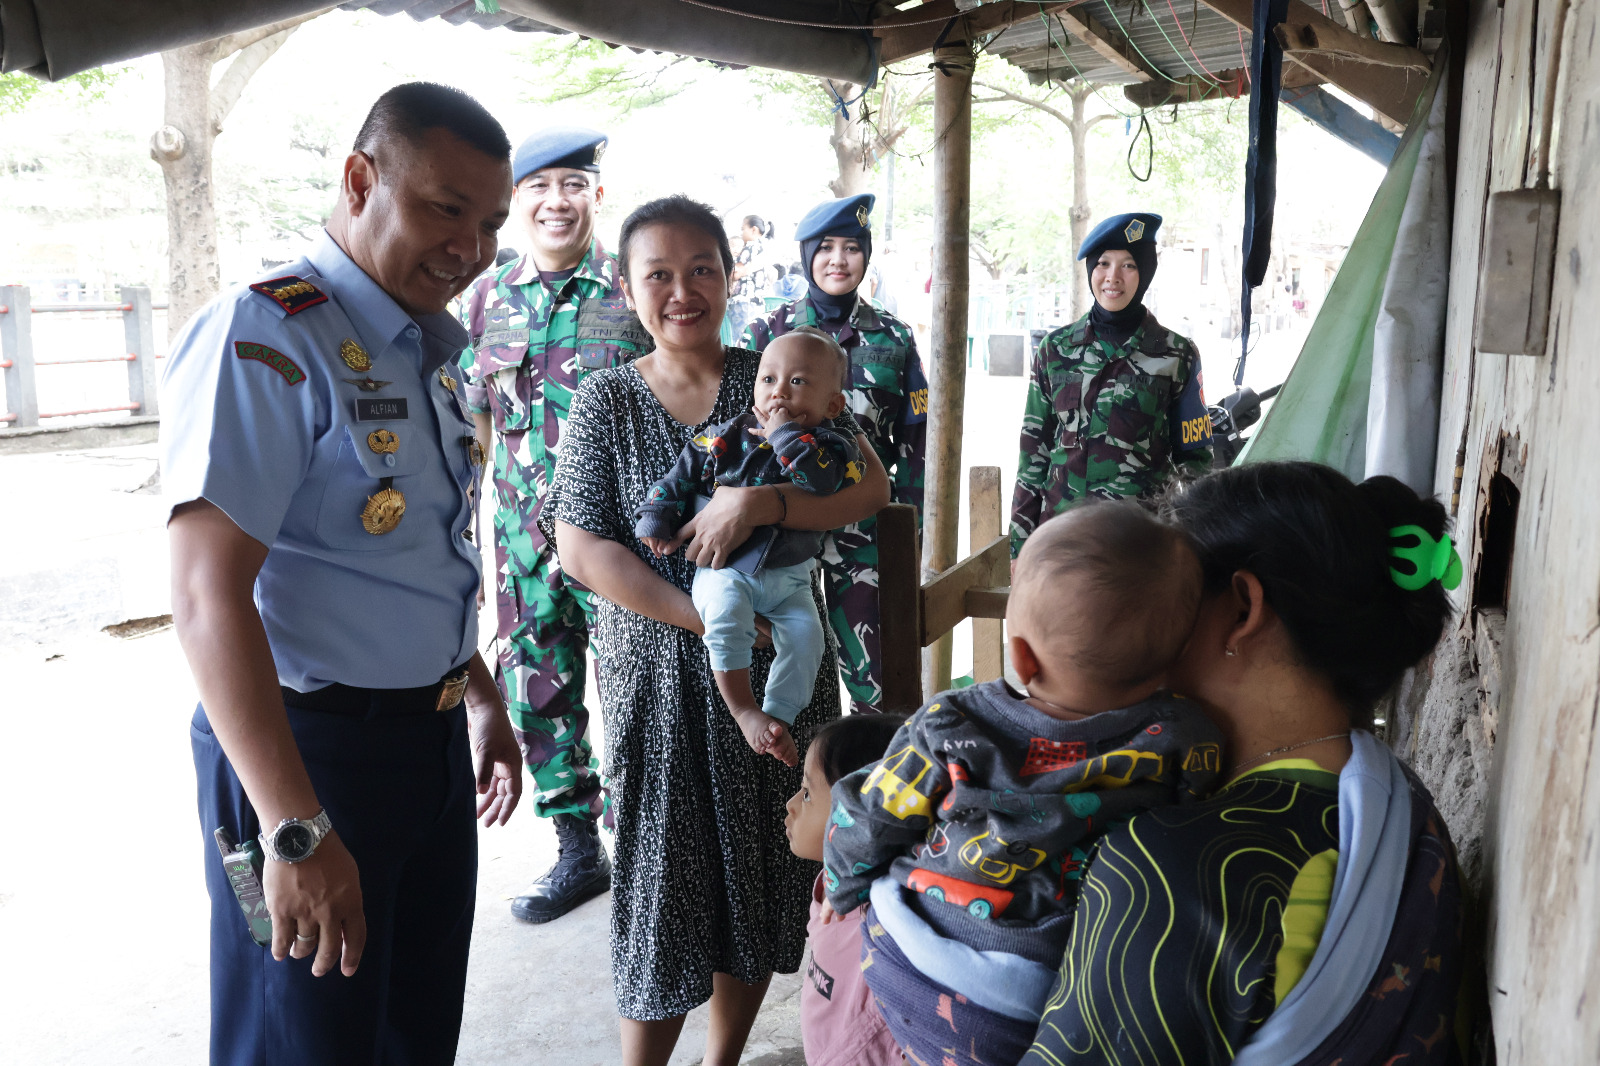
x: 969, y: 836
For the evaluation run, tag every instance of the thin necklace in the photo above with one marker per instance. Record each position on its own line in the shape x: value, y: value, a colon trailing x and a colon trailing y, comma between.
x: 1287, y: 748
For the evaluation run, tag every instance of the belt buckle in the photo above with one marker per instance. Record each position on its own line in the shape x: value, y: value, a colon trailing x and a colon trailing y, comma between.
x: 453, y: 689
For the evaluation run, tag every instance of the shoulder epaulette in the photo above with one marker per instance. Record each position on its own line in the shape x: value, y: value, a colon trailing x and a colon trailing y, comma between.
x: 291, y: 293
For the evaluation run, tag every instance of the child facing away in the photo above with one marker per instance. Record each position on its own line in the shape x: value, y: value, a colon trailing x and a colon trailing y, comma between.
x: 970, y: 835
x: 839, y: 1023
x: 786, y: 437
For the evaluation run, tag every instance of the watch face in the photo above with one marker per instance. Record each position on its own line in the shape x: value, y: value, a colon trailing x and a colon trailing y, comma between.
x: 293, y: 842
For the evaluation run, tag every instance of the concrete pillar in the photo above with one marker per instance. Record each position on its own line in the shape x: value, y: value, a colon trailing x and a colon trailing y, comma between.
x: 139, y: 329
x: 16, y: 351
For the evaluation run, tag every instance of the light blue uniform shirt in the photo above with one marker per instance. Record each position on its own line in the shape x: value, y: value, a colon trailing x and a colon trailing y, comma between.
x: 279, y: 445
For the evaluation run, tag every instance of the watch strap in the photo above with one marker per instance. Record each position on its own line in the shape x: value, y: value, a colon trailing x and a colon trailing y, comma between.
x: 319, y: 825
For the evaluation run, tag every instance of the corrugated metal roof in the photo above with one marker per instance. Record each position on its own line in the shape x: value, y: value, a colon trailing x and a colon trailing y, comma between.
x: 1178, y: 38
x: 455, y: 12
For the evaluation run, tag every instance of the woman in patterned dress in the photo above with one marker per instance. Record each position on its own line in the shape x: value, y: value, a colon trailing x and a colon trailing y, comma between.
x: 708, y: 900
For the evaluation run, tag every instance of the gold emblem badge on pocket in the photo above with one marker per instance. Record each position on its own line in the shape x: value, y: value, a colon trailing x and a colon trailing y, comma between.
x: 355, y: 357
x: 383, y: 442
x: 383, y: 512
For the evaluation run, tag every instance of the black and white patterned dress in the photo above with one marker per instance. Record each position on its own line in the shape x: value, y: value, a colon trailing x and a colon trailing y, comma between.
x: 705, y: 881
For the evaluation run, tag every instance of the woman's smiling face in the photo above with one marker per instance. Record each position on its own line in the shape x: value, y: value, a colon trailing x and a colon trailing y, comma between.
x: 1115, y: 279
x: 677, y: 285
x: 839, y: 265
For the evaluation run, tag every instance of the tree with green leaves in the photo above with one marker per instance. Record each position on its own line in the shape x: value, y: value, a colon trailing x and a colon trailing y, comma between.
x: 18, y: 90
x: 1067, y: 105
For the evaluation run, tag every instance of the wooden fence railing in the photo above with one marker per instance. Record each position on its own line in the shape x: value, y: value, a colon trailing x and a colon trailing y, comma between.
x: 915, y: 614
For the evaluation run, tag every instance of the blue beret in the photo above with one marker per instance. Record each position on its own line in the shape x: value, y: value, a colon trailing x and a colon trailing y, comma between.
x: 848, y: 217
x: 573, y: 147
x: 1132, y: 232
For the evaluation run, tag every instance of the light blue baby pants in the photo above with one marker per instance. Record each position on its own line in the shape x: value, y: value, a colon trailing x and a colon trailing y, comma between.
x: 729, y: 600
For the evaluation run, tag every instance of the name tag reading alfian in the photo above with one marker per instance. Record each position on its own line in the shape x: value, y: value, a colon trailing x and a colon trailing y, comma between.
x: 380, y: 410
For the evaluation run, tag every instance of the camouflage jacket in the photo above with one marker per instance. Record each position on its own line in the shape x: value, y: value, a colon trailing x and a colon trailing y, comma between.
x: 530, y: 349
x: 888, y: 393
x: 1107, y: 420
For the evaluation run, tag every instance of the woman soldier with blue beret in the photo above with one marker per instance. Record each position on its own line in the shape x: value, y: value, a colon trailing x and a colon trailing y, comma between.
x: 1115, y: 407
x: 888, y: 395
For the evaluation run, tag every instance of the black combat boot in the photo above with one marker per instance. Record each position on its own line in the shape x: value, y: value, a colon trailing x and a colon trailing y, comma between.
x: 582, y: 872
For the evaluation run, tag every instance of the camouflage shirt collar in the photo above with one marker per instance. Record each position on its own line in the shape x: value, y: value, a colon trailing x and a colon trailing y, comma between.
x: 596, y: 266
x: 864, y: 317
x: 1151, y: 335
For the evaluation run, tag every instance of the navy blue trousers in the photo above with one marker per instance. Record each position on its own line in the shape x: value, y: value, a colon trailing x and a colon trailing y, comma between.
x: 400, y: 794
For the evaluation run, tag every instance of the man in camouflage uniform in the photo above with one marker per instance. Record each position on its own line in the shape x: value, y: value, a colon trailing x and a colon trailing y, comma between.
x: 1115, y: 403
x: 539, y: 325
x: 888, y: 395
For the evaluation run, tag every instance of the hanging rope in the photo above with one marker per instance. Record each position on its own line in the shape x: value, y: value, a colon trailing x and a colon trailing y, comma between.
x: 841, y: 106
x: 1150, y: 141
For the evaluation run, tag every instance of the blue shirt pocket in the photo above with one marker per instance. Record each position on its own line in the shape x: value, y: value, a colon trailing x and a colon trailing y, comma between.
x: 357, y: 475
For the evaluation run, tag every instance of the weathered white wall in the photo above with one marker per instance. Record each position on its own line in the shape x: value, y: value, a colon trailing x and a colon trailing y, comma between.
x: 1504, y: 726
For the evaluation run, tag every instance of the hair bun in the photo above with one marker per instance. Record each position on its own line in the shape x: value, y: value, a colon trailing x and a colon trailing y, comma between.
x: 1322, y: 550
x: 1397, y: 504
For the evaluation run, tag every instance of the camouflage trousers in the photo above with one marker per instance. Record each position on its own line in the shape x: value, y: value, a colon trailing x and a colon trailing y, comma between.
x: 850, y: 581
x: 544, y: 638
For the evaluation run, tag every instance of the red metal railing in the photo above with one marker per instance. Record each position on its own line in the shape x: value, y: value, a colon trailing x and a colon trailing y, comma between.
x: 18, y: 363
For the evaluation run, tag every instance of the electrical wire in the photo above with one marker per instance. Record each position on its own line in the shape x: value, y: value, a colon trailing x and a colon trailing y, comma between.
x: 801, y: 22
x: 1173, y: 45
x: 1149, y: 65
x: 1188, y: 43
x: 1078, y: 72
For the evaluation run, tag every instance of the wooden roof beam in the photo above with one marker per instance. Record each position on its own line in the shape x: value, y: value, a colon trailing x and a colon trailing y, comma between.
x: 1390, y: 90
x: 912, y: 32
x: 1197, y: 88
x: 1113, y: 46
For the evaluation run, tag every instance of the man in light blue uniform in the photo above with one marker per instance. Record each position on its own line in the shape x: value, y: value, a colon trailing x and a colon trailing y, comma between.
x: 321, y: 475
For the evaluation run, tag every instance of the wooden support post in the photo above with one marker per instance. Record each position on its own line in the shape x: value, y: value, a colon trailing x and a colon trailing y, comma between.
x: 139, y: 331
x: 16, y: 351
x: 983, y: 525
x: 899, y: 608
x: 952, y: 212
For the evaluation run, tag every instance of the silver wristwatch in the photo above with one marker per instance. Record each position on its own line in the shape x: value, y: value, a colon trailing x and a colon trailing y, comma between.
x: 295, y: 839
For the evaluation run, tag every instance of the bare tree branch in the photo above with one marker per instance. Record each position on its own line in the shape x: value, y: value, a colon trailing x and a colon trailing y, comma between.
x: 238, y: 42
x: 1018, y: 98
x: 225, y: 94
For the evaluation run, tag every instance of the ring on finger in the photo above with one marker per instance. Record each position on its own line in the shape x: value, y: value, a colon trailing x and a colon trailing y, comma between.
x: 306, y: 939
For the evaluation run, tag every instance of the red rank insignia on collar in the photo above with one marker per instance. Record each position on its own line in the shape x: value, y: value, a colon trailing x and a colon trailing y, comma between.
x: 292, y: 293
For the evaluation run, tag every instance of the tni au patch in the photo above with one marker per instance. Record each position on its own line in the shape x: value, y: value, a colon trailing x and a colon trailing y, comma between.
x: 272, y: 357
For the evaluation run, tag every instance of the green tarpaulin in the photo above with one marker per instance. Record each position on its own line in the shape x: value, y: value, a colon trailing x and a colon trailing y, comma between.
x: 1322, y: 411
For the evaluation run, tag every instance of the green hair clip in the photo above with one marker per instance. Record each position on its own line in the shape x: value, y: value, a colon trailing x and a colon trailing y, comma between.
x: 1431, y: 560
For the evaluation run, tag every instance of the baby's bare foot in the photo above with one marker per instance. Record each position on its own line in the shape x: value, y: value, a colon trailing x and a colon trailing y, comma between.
x: 766, y: 735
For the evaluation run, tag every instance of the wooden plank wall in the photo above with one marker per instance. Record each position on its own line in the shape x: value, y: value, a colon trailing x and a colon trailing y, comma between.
x: 1506, y: 725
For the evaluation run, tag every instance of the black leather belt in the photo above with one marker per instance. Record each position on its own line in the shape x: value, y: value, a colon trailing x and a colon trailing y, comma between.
x: 443, y: 695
